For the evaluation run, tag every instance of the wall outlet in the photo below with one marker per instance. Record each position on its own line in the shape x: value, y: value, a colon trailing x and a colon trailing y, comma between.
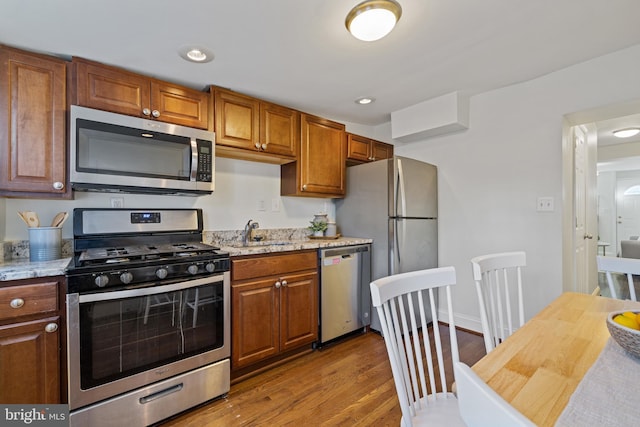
x: 545, y: 204
x: 275, y: 204
x: 261, y: 206
x: 117, y: 202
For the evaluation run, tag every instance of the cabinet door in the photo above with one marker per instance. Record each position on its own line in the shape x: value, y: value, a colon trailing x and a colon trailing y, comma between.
x: 30, y: 356
x: 381, y: 151
x: 358, y: 148
x: 298, y: 310
x: 237, y: 120
x: 255, y: 325
x: 179, y: 105
x: 111, y: 89
x: 322, y: 157
x: 32, y: 124
x: 279, y: 129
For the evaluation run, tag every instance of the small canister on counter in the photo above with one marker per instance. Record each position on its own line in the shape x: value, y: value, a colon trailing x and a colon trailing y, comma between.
x: 331, y: 229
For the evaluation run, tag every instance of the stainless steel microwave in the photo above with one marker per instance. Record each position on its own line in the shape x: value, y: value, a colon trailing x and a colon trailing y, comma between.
x: 118, y: 153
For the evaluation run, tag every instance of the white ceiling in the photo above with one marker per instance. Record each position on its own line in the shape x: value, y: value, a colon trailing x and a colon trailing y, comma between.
x: 298, y: 52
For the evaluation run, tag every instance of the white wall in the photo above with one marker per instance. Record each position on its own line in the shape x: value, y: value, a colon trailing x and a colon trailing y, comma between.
x: 3, y: 211
x: 239, y: 187
x: 491, y: 175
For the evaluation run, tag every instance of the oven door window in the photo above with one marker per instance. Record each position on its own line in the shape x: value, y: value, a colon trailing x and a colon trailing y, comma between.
x: 119, y: 150
x: 122, y: 337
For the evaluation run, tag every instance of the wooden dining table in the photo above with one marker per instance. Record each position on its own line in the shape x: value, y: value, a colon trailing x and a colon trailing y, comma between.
x: 538, y: 368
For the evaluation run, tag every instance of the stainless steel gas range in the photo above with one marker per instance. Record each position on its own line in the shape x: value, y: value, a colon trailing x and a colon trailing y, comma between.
x: 148, y: 332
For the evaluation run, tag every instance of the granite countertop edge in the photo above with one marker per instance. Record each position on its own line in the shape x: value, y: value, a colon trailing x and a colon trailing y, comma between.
x: 294, y: 245
x: 18, y: 269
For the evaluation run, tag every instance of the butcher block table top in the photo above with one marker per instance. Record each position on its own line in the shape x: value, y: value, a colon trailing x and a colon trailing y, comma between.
x: 538, y: 368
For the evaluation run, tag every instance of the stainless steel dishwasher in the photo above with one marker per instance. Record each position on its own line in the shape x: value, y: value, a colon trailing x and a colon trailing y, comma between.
x: 345, y: 297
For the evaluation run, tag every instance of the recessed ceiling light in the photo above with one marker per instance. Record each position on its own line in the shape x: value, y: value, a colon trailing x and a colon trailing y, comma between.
x: 626, y: 133
x: 364, y: 100
x: 196, y: 54
x: 373, y: 19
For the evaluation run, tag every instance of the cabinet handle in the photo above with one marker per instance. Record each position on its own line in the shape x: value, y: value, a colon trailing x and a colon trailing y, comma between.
x: 304, y: 187
x: 278, y: 284
x: 146, y: 111
x: 16, y: 303
x: 257, y: 145
x: 58, y: 185
x: 51, y: 327
x: 155, y: 113
x: 263, y: 146
x: 284, y: 283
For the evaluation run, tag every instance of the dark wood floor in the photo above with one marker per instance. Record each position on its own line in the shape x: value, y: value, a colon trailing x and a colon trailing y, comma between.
x: 345, y: 384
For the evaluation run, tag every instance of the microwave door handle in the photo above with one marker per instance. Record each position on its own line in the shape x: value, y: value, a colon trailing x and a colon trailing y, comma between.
x: 194, y: 159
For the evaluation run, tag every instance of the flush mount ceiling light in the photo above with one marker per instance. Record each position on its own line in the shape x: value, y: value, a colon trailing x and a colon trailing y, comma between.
x: 196, y: 54
x: 373, y: 19
x: 364, y: 100
x: 626, y: 133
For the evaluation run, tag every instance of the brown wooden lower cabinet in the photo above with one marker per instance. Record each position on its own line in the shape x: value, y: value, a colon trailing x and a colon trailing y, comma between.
x: 30, y: 368
x: 31, y: 338
x: 274, y: 308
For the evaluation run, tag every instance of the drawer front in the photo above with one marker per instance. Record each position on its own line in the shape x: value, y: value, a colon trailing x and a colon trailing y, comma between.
x: 24, y: 300
x: 273, y: 265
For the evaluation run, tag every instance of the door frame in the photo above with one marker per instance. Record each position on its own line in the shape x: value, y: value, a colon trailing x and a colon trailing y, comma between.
x: 588, y: 118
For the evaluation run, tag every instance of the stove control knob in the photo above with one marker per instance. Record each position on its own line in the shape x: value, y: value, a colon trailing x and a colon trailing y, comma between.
x: 192, y: 269
x: 210, y: 267
x: 161, y: 273
x: 126, y: 277
x: 101, y: 281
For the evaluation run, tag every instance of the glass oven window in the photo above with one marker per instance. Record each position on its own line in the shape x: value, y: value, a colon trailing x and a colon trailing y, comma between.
x: 122, y: 337
x: 119, y: 150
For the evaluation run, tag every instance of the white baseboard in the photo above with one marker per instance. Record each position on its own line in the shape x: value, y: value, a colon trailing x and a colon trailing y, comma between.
x: 463, y: 321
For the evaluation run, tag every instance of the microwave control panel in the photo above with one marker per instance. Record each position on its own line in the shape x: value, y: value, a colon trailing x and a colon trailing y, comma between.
x: 205, y: 159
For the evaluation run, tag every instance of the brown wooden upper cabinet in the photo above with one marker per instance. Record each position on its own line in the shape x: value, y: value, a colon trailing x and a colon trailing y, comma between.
x: 248, y: 128
x: 113, y: 89
x: 362, y: 150
x: 32, y: 125
x: 321, y: 166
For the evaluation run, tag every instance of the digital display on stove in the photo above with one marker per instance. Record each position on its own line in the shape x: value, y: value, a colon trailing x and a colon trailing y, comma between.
x: 145, y: 217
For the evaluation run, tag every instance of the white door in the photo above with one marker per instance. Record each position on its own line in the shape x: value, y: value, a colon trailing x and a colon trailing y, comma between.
x: 580, y: 232
x: 585, y: 220
x: 627, y: 211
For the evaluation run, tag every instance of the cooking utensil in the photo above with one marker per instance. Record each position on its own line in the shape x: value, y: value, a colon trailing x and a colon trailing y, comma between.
x: 59, y: 219
x: 30, y: 218
x: 23, y: 218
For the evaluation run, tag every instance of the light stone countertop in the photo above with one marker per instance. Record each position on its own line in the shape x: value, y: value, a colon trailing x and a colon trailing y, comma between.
x: 22, y: 268
x: 17, y: 269
x: 274, y: 246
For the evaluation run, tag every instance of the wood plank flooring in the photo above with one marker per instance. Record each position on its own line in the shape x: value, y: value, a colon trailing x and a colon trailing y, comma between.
x: 345, y: 384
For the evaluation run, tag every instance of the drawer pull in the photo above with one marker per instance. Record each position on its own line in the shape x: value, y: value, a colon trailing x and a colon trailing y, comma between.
x: 16, y: 303
x: 51, y: 327
x: 278, y: 284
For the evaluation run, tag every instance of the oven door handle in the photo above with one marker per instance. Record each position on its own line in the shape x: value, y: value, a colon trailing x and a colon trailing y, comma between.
x: 149, y: 290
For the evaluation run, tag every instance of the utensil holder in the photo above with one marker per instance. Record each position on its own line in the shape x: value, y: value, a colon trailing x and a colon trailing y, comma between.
x: 45, y: 243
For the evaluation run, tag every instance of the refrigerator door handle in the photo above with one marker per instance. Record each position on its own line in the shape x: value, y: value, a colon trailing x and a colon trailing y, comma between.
x: 399, y: 226
x: 401, y: 201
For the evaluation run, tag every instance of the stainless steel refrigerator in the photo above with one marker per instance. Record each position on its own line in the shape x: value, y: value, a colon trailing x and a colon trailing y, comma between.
x: 394, y: 202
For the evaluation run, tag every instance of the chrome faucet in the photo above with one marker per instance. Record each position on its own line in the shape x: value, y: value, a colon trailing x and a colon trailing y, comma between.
x: 248, y: 231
